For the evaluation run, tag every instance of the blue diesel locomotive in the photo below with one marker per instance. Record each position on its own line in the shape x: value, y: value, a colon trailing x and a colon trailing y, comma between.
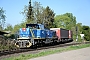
x: 35, y: 34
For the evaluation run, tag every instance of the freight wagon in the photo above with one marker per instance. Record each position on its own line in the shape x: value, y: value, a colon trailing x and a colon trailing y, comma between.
x: 63, y: 34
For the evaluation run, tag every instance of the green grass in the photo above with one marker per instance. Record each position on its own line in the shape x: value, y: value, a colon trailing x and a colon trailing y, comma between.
x: 48, y: 52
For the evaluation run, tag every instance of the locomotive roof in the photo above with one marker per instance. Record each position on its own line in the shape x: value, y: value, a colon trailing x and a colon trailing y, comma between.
x: 58, y: 28
x: 34, y: 24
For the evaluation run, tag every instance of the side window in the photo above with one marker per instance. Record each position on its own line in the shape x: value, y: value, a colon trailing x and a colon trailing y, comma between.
x: 38, y: 27
x: 34, y: 27
x: 29, y: 26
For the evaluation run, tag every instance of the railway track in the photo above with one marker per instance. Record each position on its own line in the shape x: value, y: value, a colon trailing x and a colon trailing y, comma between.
x: 8, y: 52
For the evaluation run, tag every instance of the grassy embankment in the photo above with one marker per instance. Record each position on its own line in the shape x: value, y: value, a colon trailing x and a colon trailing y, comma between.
x: 48, y: 52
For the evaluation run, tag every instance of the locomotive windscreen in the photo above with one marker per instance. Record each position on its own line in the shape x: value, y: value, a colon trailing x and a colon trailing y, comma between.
x: 32, y: 26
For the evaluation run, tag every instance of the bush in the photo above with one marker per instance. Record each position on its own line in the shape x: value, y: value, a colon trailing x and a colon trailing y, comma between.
x: 6, y: 44
x: 86, y: 32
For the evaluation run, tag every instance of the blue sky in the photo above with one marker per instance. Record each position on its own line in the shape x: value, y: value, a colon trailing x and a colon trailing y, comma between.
x: 79, y: 8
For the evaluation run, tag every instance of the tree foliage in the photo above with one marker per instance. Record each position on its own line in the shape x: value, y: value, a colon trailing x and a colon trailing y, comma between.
x: 39, y: 14
x: 61, y: 21
x: 48, y: 17
x: 30, y: 16
x: 72, y: 19
x: 2, y: 18
x: 86, y: 32
x: 9, y: 27
x: 67, y: 21
x: 16, y: 28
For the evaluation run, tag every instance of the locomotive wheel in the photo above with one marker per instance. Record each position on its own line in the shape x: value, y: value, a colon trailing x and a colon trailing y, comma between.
x: 34, y: 46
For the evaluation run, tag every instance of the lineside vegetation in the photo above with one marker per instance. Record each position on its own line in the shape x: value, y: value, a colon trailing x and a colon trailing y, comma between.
x: 48, y: 52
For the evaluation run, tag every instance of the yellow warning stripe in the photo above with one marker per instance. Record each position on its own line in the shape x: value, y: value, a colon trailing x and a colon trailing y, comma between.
x: 32, y: 33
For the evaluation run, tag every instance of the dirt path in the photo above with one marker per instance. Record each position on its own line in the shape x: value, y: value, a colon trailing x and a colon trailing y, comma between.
x: 80, y: 54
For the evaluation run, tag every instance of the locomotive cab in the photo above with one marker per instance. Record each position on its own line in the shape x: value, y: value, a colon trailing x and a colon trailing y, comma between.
x: 36, y: 31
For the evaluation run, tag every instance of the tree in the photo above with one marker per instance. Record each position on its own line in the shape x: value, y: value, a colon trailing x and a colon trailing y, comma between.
x: 22, y: 25
x: 67, y: 21
x: 9, y: 27
x: 72, y: 19
x: 48, y: 17
x: 2, y: 18
x: 62, y: 21
x: 16, y: 28
x: 30, y: 16
x: 28, y: 13
x: 86, y: 32
x: 38, y: 12
x: 33, y: 14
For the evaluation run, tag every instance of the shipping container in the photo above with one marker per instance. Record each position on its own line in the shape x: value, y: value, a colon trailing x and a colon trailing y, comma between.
x: 62, y: 33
